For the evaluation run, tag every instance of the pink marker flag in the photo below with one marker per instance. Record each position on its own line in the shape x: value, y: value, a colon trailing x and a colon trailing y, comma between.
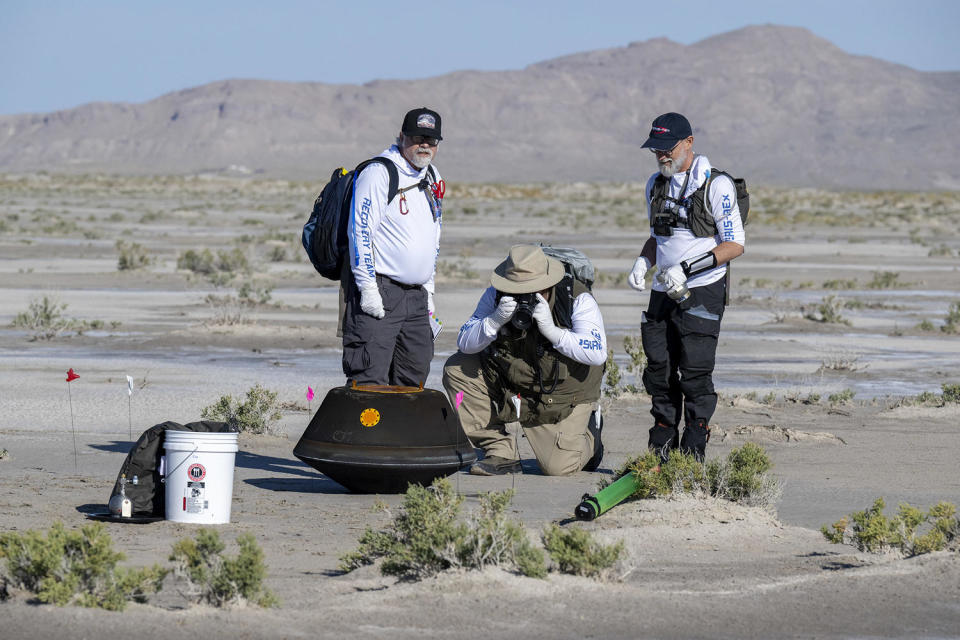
x: 309, y: 394
x: 459, y: 399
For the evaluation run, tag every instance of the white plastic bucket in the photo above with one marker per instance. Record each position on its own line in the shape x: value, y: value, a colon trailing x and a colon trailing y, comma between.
x: 199, y: 476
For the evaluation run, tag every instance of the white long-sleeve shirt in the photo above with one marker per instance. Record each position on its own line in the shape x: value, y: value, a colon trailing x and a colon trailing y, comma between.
x: 401, y: 246
x: 586, y: 342
x: 683, y: 245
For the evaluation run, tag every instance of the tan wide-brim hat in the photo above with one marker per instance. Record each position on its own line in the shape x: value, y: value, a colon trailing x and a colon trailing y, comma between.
x: 526, y: 270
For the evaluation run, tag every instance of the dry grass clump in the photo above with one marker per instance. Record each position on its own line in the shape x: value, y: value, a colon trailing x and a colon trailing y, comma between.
x: 829, y: 311
x: 870, y: 530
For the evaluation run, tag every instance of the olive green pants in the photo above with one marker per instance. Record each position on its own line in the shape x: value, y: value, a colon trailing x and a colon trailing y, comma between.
x: 561, y: 448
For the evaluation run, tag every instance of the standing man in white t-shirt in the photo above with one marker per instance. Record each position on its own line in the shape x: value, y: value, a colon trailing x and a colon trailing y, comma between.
x: 387, y: 337
x: 695, y: 230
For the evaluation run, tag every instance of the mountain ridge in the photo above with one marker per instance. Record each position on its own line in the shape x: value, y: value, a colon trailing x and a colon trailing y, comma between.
x: 778, y: 105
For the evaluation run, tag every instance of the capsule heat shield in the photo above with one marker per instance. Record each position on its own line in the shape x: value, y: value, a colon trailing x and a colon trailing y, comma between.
x: 379, y: 439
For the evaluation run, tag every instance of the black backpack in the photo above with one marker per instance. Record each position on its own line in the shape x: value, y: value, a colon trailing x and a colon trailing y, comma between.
x: 324, y: 235
x: 699, y: 211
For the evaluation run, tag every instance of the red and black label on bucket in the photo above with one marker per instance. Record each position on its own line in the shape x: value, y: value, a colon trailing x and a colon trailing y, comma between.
x: 196, y: 472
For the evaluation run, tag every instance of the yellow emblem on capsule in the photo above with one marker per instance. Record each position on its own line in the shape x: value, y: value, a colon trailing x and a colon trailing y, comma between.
x: 369, y: 417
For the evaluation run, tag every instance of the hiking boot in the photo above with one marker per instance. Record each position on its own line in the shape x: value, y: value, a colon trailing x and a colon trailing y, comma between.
x: 594, y: 463
x: 495, y: 466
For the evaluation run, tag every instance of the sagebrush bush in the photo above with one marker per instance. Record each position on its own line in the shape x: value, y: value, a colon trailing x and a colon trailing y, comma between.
x: 741, y: 477
x: 131, y: 256
x: 75, y: 567
x: 256, y: 414
x: 44, y: 317
x: 427, y: 537
x: 575, y: 551
x: 222, y: 580
x: 871, y: 530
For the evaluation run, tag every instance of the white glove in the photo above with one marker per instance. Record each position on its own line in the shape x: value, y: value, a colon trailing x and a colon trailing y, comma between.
x: 544, y: 318
x: 370, y: 300
x: 636, y: 277
x: 673, y: 278
x: 502, y: 314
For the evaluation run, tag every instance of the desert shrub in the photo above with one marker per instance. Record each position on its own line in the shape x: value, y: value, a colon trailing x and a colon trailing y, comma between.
x: 951, y: 393
x: 205, y: 263
x: 926, y: 325
x: 940, y: 250
x: 614, y: 377
x: 871, y: 530
x: 828, y: 311
x: 233, y: 261
x: 228, y: 310
x: 222, y: 580
x: 494, y: 540
x: 132, y: 256
x: 575, y: 551
x: 459, y: 270
x: 255, y: 414
x: 44, y: 317
x: 841, y: 397
x: 839, y: 284
x: 633, y: 345
x: 885, y: 280
x: 253, y: 295
x: 952, y: 321
x: 75, y: 567
x: 197, y: 261
x: 841, y: 361
x: 277, y: 254
x: 426, y: 537
x: 741, y: 477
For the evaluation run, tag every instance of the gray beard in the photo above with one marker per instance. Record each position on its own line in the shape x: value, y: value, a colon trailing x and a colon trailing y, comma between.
x: 668, y: 170
x: 421, y: 162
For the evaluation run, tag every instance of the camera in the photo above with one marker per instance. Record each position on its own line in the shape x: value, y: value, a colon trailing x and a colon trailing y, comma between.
x: 663, y: 223
x: 523, y: 316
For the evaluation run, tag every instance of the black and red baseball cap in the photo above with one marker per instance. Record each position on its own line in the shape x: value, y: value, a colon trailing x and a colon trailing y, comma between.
x: 667, y: 131
x: 422, y: 122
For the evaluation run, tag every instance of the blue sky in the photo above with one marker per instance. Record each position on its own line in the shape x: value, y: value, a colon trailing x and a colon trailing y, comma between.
x: 58, y: 54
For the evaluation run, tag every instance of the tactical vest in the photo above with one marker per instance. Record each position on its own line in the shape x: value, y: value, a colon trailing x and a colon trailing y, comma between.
x: 550, y: 384
x: 663, y: 208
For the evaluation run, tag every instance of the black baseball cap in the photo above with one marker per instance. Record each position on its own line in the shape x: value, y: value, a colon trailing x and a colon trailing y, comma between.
x: 667, y: 131
x: 422, y: 122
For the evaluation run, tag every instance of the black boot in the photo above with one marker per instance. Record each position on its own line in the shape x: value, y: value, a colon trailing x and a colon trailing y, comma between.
x: 695, y: 439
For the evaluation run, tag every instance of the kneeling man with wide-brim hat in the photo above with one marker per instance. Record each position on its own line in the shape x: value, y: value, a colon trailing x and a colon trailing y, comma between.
x: 533, y: 351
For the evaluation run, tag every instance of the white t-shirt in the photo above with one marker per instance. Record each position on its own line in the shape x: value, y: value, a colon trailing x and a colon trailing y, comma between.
x: 401, y: 246
x: 586, y: 342
x: 683, y: 245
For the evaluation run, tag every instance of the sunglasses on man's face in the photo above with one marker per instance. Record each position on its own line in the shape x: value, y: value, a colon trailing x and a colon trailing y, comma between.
x: 665, y: 152
x: 418, y: 140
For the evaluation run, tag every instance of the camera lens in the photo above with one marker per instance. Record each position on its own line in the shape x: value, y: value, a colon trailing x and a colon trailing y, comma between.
x: 523, y: 316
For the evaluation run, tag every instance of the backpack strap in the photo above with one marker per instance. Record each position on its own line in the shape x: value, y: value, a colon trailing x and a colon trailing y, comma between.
x: 394, y: 187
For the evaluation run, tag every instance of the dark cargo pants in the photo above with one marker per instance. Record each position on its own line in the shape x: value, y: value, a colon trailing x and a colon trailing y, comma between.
x: 680, y: 341
x: 396, y: 349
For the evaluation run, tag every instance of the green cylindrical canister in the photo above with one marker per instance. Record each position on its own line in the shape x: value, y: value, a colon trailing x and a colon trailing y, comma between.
x: 603, y: 501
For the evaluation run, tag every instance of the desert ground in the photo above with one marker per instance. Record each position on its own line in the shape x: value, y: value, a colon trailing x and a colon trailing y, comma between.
x: 843, y: 311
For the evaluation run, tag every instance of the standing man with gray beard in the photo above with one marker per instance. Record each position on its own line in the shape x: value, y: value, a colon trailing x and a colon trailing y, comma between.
x: 387, y: 337
x: 695, y: 229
